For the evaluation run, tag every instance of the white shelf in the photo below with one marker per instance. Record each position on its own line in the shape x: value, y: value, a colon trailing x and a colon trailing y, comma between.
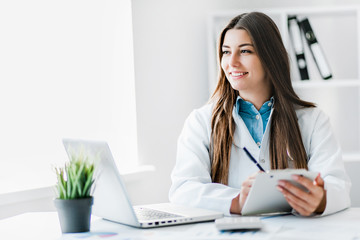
x: 326, y: 83
x: 351, y: 157
x: 298, y: 10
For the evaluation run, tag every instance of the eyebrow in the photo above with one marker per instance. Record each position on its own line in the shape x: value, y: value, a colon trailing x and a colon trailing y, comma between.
x: 241, y: 45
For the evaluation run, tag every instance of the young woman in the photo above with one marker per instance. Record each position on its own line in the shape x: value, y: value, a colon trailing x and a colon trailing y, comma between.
x: 255, y: 106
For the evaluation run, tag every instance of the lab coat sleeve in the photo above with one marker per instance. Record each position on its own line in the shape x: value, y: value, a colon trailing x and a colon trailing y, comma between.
x: 326, y: 157
x: 191, y: 180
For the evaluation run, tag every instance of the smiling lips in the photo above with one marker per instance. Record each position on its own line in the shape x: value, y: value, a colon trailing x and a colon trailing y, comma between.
x: 238, y: 74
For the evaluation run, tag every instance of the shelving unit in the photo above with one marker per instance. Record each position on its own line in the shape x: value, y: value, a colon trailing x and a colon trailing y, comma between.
x: 338, y: 32
x: 326, y: 84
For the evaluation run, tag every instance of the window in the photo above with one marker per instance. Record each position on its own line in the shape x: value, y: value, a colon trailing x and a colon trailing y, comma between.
x: 66, y: 70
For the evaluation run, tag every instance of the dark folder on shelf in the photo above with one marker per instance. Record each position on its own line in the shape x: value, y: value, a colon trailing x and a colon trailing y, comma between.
x: 296, y: 40
x: 315, y: 49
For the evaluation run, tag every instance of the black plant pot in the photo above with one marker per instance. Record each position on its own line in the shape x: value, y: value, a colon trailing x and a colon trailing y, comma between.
x: 74, y: 214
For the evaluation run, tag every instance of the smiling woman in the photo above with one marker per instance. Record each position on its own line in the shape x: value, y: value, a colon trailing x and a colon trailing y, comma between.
x: 66, y: 71
x: 243, y: 68
x: 255, y: 106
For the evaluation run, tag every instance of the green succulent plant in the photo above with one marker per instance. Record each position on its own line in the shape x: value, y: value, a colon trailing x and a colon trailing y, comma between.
x: 76, y: 178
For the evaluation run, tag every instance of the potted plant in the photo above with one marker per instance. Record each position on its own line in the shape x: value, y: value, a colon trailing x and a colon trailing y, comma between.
x: 74, y: 188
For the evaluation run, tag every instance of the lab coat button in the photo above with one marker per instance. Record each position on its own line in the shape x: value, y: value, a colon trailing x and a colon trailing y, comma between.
x: 262, y: 160
x: 258, y: 143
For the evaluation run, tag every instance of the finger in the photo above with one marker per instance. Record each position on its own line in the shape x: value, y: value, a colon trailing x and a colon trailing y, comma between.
x: 302, y: 207
x: 243, y: 196
x: 250, y: 179
x: 247, y: 183
x: 294, y: 198
x: 291, y: 189
x: 253, y: 176
x: 300, y: 201
x: 303, y: 211
x: 307, y: 183
x: 313, y: 188
x: 319, y: 181
x: 245, y: 189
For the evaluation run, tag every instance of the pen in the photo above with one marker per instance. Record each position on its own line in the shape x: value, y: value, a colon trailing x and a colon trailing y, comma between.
x: 253, y: 159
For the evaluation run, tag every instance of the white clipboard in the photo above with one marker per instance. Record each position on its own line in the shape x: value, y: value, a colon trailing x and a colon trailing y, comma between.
x: 265, y: 198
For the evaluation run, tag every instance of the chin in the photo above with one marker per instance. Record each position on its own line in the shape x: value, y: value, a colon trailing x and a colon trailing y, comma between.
x: 238, y: 86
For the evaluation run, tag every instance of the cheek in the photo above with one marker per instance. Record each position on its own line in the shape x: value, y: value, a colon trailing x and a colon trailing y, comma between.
x: 261, y: 73
x: 224, y: 64
x: 222, y: 67
x: 258, y: 68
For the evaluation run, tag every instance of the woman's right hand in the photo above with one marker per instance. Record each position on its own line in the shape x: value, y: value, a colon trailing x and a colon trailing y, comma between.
x: 239, y: 201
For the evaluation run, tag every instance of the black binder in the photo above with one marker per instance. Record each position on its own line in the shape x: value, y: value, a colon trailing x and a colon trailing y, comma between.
x: 315, y: 49
x: 296, y: 40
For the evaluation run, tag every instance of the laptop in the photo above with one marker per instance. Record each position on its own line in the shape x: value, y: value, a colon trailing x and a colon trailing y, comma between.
x: 111, y: 200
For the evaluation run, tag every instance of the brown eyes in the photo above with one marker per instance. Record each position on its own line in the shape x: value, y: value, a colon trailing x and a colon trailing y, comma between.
x: 244, y: 51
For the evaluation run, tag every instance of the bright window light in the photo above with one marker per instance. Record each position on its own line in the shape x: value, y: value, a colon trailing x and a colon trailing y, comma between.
x: 66, y: 71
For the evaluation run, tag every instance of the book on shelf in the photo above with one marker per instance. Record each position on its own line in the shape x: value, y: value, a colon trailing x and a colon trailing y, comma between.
x: 297, y: 43
x: 301, y: 26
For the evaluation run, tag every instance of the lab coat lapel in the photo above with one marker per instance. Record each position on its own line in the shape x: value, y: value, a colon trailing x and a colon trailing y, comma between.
x: 242, y: 136
x: 266, y: 137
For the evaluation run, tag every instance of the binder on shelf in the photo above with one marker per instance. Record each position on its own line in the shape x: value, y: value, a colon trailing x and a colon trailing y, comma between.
x: 296, y: 40
x: 315, y: 49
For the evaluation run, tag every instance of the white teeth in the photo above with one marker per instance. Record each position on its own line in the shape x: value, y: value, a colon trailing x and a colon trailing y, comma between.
x: 238, y: 74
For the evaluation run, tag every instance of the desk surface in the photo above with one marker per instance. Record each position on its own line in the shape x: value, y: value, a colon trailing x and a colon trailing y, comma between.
x: 343, y: 225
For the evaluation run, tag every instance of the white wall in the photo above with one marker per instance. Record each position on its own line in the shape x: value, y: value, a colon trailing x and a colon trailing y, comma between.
x: 60, y: 68
x: 170, y: 44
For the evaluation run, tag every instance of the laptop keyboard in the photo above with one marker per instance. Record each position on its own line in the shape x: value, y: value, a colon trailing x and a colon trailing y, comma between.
x: 152, y: 214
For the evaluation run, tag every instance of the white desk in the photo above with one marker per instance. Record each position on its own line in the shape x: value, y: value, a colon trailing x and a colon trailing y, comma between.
x: 40, y: 226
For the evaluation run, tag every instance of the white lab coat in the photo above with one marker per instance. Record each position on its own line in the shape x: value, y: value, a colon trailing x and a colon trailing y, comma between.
x: 191, y: 180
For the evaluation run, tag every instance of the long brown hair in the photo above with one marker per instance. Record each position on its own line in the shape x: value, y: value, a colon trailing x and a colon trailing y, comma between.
x: 285, y: 137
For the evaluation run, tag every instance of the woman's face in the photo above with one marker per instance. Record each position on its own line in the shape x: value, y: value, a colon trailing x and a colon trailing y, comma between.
x: 242, y: 65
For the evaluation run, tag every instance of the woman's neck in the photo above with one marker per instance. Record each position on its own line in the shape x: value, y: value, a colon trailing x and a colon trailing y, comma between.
x: 258, y: 99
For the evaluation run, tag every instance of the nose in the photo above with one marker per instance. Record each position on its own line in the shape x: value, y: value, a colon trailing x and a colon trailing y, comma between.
x: 234, y: 60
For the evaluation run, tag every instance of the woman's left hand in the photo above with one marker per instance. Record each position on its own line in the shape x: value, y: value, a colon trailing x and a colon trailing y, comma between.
x: 305, y: 203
